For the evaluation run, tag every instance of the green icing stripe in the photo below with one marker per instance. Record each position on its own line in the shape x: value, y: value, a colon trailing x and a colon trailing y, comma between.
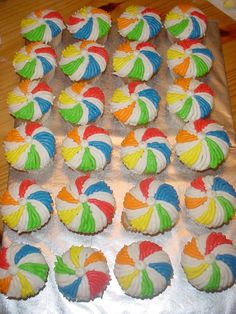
x: 177, y: 29
x: 151, y: 162
x: 184, y: 111
x: 136, y: 33
x: 36, y: 34
x: 72, y: 66
x: 216, y: 153
x: 227, y: 207
x: 87, y: 224
x: 25, y: 112
x: 34, y: 221
x: 40, y: 270
x: 214, y: 281
x: 62, y: 268
x: 137, y: 71
x: 33, y: 159
x: 103, y: 27
x: 147, y: 289
x: 72, y: 115
x: 144, y: 116
x: 201, y: 66
x: 165, y: 220
x: 28, y: 70
x: 88, y: 162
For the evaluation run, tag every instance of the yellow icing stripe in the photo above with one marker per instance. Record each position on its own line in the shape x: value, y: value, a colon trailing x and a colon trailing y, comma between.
x: 69, y: 152
x: 13, y: 219
x: 19, y: 57
x: 191, y: 156
x: 120, y: 62
x: 194, y: 272
x: 174, y: 54
x: 208, y: 216
x: 133, y: 10
x: 74, y: 255
x: 119, y: 97
x: 141, y: 223
x: 67, y: 216
x: 13, y: 155
x: 65, y: 99
x: 126, y: 281
x: 13, y: 99
x: 83, y: 11
x: 27, y: 22
x: 173, y: 16
x: 26, y: 288
x: 70, y: 51
x: 131, y: 160
x: 172, y: 98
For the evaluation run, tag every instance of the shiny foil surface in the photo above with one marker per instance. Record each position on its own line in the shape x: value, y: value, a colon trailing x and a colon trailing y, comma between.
x: 54, y: 239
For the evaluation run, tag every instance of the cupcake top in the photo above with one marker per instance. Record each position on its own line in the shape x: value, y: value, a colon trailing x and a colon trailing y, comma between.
x: 202, y: 144
x: 139, y: 23
x: 135, y: 103
x: 210, y: 201
x: 83, y: 60
x: 185, y: 21
x: 23, y: 271
x: 82, y: 273
x: 209, y: 262
x: 151, y: 206
x: 30, y: 146
x: 34, y: 61
x: 145, y: 150
x: 25, y: 206
x: 42, y: 25
x: 137, y: 61
x: 190, y: 99
x: 81, y: 103
x: 89, y: 23
x: 30, y: 100
x: 87, y: 148
x: 143, y: 269
x: 189, y: 58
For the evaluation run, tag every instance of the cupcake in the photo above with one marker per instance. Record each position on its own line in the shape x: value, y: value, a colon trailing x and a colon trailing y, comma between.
x: 145, y: 150
x: 35, y: 61
x: 186, y: 22
x: 136, y: 61
x: 30, y: 146
x: 23, y: 271
x: 143, y: 269
x: 81, y: 103
x: 190, y: 99
x: 202, y: 144
x: 84, y: 60
x: 209, y: 262
x: 81, y: 273
x: 210, y: 201
x: 139, y: 23
x: 151, y: 206
x: 30, y: 101
x: 87, y: 148
x: 189, y: 58
x: 135, y: 104
x: 86, y: 205
x: 43, y: 25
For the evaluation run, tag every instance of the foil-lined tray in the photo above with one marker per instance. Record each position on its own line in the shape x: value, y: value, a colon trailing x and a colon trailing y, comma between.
x: 53, y: 239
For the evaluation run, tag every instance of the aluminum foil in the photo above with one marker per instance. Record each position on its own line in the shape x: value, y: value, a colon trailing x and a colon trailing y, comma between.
x: 53, y: 239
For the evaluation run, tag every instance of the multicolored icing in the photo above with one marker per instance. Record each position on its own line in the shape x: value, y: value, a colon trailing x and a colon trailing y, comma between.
x: 210, y: 201
x: 202, y: 144
x: 135, y: 103
x: 25, y: 206
x: 30, y: 146
x: 84, y: 60
x: 35, y: 60
x: 87, y: 148
x: 189, y: 58
x: 81, y: 103
x: 86, y: 205
x: 145, y: 150
x: 42, y: 25
x: 209, y: 262
x: 82, y: 273
x: 139, y: 23
x: 143, y: 269
x: 190, y: 99
x: 185, y: 21
x: 137, y: 61
x: 23, y: 271
x: 30, y: 100
x: 89, y: 23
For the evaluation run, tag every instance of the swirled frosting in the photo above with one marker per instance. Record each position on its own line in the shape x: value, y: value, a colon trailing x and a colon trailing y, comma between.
x: 139, y: 23
x: 143, y: 269
x: 137, y: 61
x: 30, y: 100
x: 35, y: 60
x: 145, y: 150
x: 209, y: 262
x: 87, y: 148
x: 190, y: 99
x: 25, y: 206
x: 189, y: 58
x: 42, y: 25
x: 185, y: 21
x: 30, y: 146
x: 84, y: 60
x: 81, y: 103
x: 135, y: 103
x: 82, y: 273
x: 202, y: 144
x: 23, y: 271
x: 210, y: 201
x: 89, y: 23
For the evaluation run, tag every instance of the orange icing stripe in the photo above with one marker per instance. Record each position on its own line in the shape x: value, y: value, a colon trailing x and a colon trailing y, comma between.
x: 124, y: 258
x: 64, y: 195
x: 4, y: 284
x: 74, y: 135
x: 14, y: 136
x: 183, y: 82
x: 130, y: 140
x: 123, y: 22
x: 78, y: 87
x: 125, y: 47
x: 24, y: 86
x: 7, y: 199
x: 191, y: 249
x: 30, y: 47
x: 100, y: 11
x: 194, y: 202
x: 38, y: 13
x: 183, y: 136
x: 95, y: 257
x: 85, y: 43
x: 132, y: 203
x: 182, y: 68
x: 184, y: 7
x: 124, y: 114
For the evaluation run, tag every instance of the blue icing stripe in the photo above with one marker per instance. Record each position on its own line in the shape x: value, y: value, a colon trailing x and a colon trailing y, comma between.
x: 152, y: 95
x: 93, y: 111
x: 196, y: 32
x: 47, y: 67
x: 103, y: 147
x: 167, y: 193
x: 154, y: 25
x: 153, y: 58
x: 71, y: 290
x: 54, y: 28
x: 25, y: 250
x: 165, y: 269
x: 92, y: 70
x: 44, y: 105
x: 203, y: 51
x: 100, y: 186
x: 220, y: 184
x: 43, y: 197
x: 204, y: 106
x: 85, y: 31
x: 47, y: 140
x: 220, y: 134
x: 230, y: 261
x: 163, y: 148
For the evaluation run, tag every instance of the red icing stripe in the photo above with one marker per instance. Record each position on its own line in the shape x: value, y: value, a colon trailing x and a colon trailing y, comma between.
x: 107, y: 209
x: 144, y: 45
x: 186, y: 43
x: 95, y: 92
x: 200, y: 124
x: 147, y: 248
x: 200, y: 15
x: 152, y: 132
x: 204, y: 88
x: 3, y: 258
x: 97, y: 282
x: 24, y: 186
x: 147, y: 10
x: 214, y: 239
x: 74, y: 20
x: 198, y: 183
x: 79, y: 182
x: 144, y: 186
x: 91, y: 130
x: 99, y: 50
x: 52, y: 15
x: 132, y: 86
x: 31, y: 127
x: 41, y: 87
x: 48, y: 50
